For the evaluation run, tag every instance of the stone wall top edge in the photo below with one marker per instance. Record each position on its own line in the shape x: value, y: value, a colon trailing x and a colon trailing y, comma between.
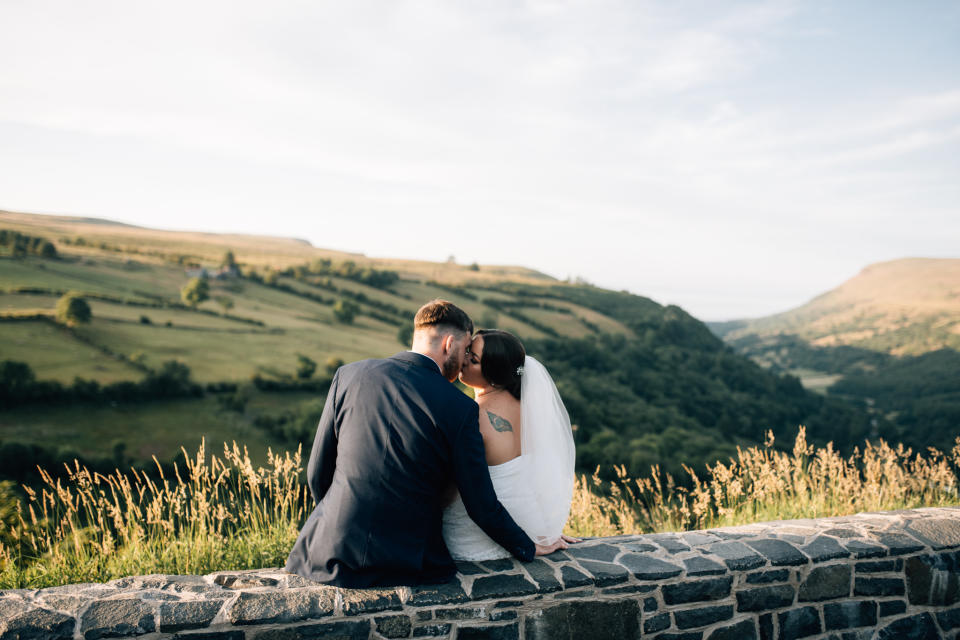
x: 617, y: 562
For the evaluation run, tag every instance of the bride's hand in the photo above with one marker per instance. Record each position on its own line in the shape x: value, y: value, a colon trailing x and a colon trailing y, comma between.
x: 570, y: 539
x: 547, y: 549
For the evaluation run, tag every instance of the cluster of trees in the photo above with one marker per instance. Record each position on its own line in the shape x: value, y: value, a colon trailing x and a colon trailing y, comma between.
x: 73, y: 309
x: 913, y: 399
x: 21, y: 244
x: 19, y: 386
x: 918, y: 398
x: 348, y: 269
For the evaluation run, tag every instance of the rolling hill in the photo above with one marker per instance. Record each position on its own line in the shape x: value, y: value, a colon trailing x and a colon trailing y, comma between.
x: 887, y: 339
x: 902, y: 307
x: 644, y: 383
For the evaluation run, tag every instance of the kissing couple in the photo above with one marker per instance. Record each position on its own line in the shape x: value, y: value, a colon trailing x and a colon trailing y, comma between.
x: 408, y: 473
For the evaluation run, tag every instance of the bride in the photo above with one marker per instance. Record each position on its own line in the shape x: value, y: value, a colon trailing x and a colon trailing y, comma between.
x: 529, y: 446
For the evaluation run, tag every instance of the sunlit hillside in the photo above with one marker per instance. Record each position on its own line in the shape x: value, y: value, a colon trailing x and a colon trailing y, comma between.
x: 909, y: 306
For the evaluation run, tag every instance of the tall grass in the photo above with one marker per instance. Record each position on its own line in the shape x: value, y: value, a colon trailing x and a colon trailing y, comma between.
x: 763, y: 483
x: 222, y: 513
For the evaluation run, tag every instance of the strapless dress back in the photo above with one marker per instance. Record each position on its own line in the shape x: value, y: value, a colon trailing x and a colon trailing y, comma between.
x: 465, y: 540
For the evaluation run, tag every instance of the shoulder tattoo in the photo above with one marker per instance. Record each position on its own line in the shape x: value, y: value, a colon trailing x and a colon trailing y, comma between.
x: 498, y: 423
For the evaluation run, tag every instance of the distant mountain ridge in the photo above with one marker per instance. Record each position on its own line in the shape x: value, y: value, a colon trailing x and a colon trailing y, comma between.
x: 901, y: 307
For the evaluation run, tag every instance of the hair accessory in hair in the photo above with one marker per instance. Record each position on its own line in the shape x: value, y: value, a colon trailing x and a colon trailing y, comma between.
x: 520, y: 370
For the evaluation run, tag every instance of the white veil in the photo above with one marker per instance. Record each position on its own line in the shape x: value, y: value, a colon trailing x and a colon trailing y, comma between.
x: 546, y: 442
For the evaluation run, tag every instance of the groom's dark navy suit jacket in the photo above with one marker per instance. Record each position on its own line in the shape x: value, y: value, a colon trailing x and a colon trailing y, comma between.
x: 393, y: 435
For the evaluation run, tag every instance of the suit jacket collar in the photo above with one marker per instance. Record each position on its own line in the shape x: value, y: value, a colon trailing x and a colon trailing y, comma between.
x: 418, y: 359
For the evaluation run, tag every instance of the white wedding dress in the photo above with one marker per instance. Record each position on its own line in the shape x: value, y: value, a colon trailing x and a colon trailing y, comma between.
x: 536, y: 487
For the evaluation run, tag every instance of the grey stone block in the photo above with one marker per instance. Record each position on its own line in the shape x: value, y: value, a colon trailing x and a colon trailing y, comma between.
x: 824, y: 583
x: 116, y: 619
x: 878, y: 587
x: 649, y: 604
x: 743, y: 630
x: 898, y: 544
x: 939, y: 533
x: 346, y: 630
x: 639, y: 547
x: 933, y: 580
x: 605, y: 573
x: 490, y: 632
x: 393, y: 626
x: 681, y: 635
x: 211, y: 635
x: 357, y: 601
x: 799, y: 623
x: 543, y: 574
x: 236, y: 581
x: 503, y: 615
x: 702, y: 616
x: 697, y: 590
x: 263, y: 607
x: 764, y: 598
x: 700, y: 566
x: 737, y: 556
x: 669, y: 541
x: 433, y: 594
x: 766, y: 577
x: 658, y: 622
x: 949, y: 619
x: 765, y: 626
x: 848, y: 615
x: 601, y: 552
x: 779, y: 553
x: 648, y: 568
x: 840, y: 532
x: 879, y: 566
x: 21, y: 621
x: 189, y: 614
x: 610, y: 620
x: 698, y: 538
x: 918, y: 627
x: 573, y: 578
x: 501, y: 586
x: 503, y: 564
x: 824, y: 548
x: 432, y: 630
x: 892, y: 607
x: 861, y: 549
x: 470, y: 568
x: 461, y: 613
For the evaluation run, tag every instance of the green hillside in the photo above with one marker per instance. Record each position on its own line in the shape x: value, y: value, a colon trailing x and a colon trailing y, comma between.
x: 151, y: 371
x: 887, y: 339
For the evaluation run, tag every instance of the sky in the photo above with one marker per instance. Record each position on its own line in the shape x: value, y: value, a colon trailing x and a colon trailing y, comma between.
x: 734, y: 158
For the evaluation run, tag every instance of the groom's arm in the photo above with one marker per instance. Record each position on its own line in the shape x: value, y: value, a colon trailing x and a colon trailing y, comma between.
x: 323, y: 456
x: 476, y: 491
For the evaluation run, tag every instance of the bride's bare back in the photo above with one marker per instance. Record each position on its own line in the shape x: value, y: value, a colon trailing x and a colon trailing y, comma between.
x: 500, y: 426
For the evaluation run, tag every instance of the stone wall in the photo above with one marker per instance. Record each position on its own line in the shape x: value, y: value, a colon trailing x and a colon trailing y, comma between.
x: 876, y: 575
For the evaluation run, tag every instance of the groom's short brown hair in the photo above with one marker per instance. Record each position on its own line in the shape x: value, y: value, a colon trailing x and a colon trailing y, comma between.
x: 442, y: 313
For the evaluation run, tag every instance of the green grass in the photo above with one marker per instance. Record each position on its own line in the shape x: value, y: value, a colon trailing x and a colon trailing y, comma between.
x: 56, y: 355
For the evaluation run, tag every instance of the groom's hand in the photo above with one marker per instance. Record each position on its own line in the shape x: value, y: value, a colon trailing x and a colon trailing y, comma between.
x: 543, y: 550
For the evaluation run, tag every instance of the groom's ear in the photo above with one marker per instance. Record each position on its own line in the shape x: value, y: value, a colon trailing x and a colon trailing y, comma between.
x: 448, y: 343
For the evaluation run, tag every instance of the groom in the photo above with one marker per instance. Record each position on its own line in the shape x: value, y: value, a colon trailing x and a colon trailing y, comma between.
x: 393, y: 435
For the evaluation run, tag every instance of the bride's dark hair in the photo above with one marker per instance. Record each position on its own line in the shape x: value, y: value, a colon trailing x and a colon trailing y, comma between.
x: 502, y: 359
